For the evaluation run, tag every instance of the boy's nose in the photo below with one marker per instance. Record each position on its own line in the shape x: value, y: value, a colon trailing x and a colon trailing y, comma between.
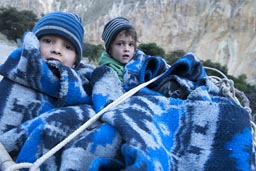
x: 127, y: 48
x: 56, y: 49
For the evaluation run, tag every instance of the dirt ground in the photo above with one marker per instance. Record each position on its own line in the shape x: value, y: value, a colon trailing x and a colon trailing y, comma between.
x: 6, y: 48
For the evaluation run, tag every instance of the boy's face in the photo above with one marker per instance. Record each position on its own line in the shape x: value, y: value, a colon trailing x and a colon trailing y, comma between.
x: 122, y: 48
x: 53, y: 47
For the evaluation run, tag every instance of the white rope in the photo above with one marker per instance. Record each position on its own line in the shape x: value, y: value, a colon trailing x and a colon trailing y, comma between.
x: 20, y: 166
x: 35, y: 166
x: 229, y: 90
x: 5, y: 159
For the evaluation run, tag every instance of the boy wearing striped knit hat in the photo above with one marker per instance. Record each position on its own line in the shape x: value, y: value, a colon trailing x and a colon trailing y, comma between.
x: 120, y: 40
x: 61, y: 37
x: 45, y: 72
x: 121, y: 65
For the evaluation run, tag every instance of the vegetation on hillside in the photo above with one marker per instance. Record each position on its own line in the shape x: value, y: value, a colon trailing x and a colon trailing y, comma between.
x: 14, y: 23
x: 92, y: 52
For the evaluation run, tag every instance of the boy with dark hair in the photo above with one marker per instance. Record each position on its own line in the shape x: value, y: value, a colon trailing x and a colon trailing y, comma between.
x: 120, y: 39
x: 44, y: 73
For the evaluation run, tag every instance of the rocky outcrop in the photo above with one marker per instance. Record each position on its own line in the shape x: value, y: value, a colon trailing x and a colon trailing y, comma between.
x: 223, y: 31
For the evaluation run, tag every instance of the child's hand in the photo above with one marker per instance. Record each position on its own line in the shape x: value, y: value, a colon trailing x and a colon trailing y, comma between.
x: 30, y: 41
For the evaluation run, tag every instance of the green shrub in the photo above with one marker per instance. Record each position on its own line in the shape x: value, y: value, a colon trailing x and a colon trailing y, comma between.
x: 14, y: 23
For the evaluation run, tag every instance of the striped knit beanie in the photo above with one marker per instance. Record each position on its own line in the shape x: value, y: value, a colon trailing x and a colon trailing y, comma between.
x: 63, y: 24
x: 112, y: 28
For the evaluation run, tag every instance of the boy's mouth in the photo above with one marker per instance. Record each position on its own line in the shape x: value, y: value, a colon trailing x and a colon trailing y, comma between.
x: 126, y: 56
x: 52, y: 59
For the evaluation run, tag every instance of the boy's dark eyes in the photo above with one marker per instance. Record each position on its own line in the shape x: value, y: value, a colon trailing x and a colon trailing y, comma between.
x: 69, y: 47
x: 131, y: 44
x: 123, y: 43
x: 51, y: 41
x: 46, y: 40
x: 119, y: 43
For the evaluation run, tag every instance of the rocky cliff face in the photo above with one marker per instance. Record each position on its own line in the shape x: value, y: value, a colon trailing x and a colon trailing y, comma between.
x: 221, y: 30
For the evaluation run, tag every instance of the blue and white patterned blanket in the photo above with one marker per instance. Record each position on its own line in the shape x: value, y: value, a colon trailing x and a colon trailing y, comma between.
x: 32, y: 86
x: 180, y: 122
